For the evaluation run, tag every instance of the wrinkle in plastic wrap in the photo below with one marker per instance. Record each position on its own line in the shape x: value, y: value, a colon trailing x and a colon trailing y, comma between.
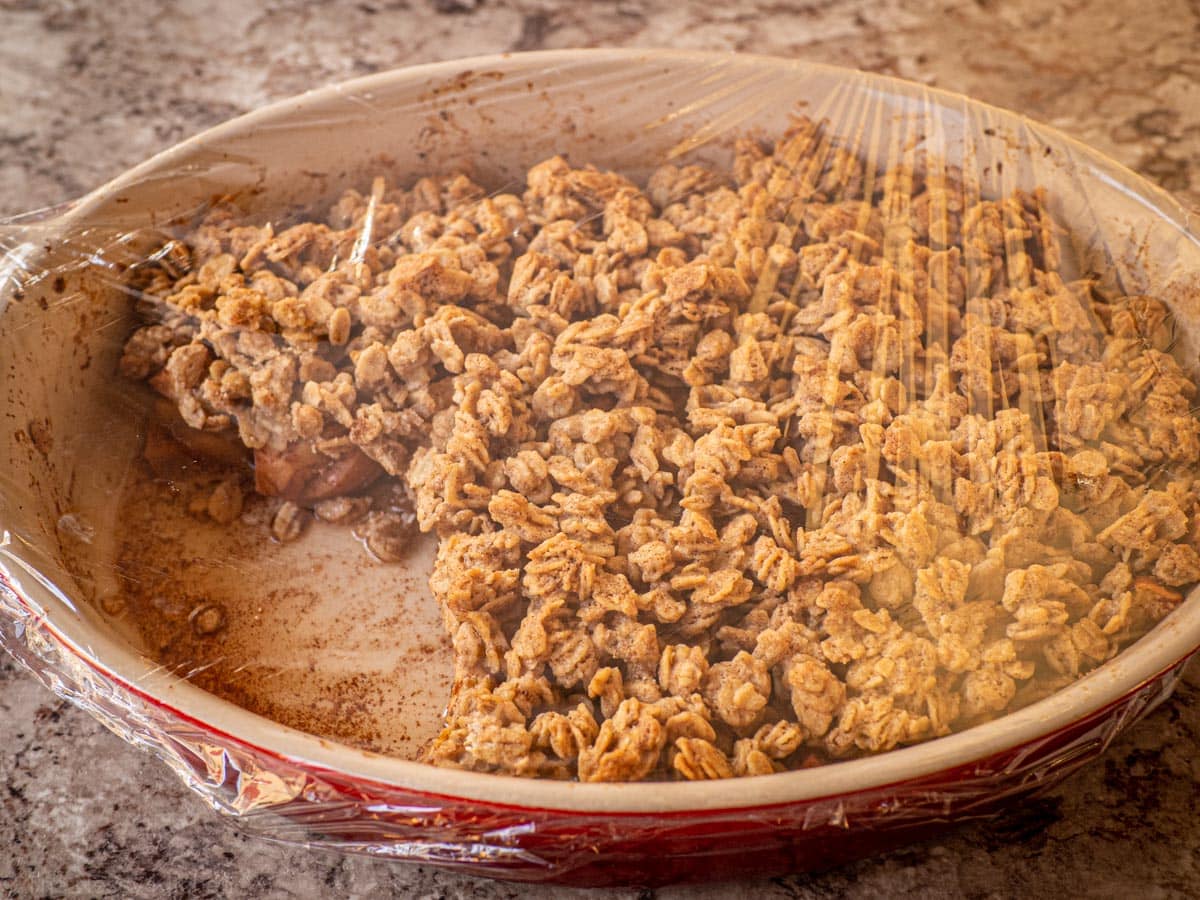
x: 65, y: 311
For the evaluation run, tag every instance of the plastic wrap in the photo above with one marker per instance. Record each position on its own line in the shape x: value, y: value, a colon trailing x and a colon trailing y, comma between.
x: 320, y: 648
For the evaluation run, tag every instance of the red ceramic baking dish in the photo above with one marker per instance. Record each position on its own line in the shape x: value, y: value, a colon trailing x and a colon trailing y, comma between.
x: 317, y: 620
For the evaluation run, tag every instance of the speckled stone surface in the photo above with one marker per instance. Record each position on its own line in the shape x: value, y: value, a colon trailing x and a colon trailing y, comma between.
x: 88, y: 89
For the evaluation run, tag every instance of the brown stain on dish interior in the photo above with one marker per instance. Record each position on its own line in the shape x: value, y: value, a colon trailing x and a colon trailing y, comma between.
x: 313, y: 634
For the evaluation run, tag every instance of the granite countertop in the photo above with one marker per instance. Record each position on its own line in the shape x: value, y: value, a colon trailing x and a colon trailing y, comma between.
x: 88, y: 89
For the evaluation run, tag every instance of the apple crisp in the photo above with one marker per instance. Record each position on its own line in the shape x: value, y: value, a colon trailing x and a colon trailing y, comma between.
x: 731, y: 472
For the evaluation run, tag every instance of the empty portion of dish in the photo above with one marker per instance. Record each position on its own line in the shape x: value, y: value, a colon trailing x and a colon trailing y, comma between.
x: 731, y: 472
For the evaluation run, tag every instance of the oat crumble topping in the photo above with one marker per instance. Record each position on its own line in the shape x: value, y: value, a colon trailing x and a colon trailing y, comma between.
x: 731, y: 472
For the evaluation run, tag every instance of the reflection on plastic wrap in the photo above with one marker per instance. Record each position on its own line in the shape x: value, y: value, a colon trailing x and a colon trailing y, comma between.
x: 284, y: 802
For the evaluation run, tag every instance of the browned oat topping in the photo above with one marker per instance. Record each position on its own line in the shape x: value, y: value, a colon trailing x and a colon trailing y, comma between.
x: 731, y: 473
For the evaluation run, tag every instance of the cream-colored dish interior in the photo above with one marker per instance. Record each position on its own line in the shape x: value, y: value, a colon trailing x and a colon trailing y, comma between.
x: 71, y: 430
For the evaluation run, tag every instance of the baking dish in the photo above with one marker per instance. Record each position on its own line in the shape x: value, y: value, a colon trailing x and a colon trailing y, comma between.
x: 62, y: 317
